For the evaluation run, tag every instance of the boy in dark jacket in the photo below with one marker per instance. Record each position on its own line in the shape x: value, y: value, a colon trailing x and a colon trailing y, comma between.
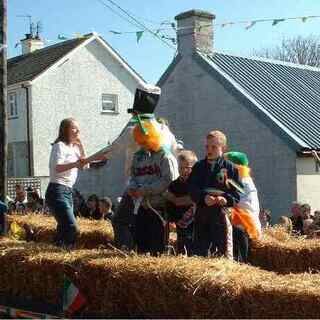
x: 212, y: 187
x: 180, y: 207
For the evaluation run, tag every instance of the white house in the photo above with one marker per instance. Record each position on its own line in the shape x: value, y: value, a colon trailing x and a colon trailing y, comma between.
x: 84, y: 78
x: 268, y: 109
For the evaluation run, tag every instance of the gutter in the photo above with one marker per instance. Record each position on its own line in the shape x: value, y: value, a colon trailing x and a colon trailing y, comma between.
x: 27, y: 86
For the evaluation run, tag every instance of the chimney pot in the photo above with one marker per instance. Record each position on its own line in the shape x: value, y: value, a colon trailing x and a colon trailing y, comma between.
x: 195, y: 31
x: 30, y: 43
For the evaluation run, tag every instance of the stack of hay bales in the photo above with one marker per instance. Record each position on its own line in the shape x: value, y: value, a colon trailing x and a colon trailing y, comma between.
x: 276, y: 251
x: 280, y: 252
x: 120, y: 285
x: 93, y: 233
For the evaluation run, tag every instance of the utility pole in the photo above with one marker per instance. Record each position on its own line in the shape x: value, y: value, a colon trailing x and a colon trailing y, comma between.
x: 3, y: 100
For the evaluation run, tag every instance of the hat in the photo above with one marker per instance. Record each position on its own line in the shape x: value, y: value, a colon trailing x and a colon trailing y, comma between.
x: 237, y: 157
x: 145, y: 100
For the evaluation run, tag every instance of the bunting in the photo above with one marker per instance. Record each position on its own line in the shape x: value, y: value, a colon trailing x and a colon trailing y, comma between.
x: 276, y: 21
x: 248, y: 25
x: 7, y: 312
x: 139, y: 35
x: 62, y: 37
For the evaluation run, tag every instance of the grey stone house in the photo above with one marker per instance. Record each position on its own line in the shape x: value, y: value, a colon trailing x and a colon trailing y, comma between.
x: 268, y: 109
x: 84, y: 78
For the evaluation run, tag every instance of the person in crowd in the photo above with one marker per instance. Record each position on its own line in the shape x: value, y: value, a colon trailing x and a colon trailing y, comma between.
x: 92, y: 210
x: 314, y: 229
x: 35, y: 202
x: 105, y: 205
x: 3, y: 211
x: 296, y: 218
x: 180, y: 207
x: 79, y: 203
x: 212, y: 192
x: 286, y: 223
x: 66, y: 158
x: 308, y: 227
x: 245, y: 214
x: 265, y: 218
x: 20, y: 202
x: 306, y: 211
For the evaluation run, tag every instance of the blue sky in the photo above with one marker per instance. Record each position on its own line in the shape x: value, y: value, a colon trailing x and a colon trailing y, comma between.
x: 150, y: 57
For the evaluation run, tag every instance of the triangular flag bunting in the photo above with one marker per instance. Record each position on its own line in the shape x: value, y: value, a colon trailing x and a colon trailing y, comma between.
x: 139, y: 35
x: 73, y: 300
x: 276, y: 21
x: 78, y: 35
x: 115, y: 32
x: 62, y: 37
x: 250, y: 24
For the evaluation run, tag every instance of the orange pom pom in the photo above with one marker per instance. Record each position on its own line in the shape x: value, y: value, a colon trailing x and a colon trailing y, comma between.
x: 152, y: 140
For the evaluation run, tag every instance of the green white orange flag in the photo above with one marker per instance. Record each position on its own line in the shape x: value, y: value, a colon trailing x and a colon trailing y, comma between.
x: 73, y: 300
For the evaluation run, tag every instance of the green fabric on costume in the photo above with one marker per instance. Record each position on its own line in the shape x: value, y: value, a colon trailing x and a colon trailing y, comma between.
x: 237, y: 157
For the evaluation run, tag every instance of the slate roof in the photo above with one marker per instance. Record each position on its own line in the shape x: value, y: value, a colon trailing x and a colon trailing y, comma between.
x: 287, y: 93
x: 29, y: 66
x: 26, y: 67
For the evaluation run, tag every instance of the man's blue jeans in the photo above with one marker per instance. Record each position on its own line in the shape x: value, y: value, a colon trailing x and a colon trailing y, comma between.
x: 59, y: 201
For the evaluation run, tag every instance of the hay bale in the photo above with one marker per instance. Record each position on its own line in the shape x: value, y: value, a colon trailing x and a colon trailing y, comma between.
x: 280, y: 252
x: 276, y: 251
x: 35, y: 271
x: 117, y: 285
x: 93, y: 233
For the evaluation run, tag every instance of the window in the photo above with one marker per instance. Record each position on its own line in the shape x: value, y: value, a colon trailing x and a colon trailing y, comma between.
x: 109, y: 103
x: 13, y: 106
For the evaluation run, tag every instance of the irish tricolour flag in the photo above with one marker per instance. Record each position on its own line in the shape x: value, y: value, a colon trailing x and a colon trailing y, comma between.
x: 73, y: 300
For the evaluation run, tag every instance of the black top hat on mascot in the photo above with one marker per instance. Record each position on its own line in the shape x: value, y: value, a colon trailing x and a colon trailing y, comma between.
x: 145, y: 101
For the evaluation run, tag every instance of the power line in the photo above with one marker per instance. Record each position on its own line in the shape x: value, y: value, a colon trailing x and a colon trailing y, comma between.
x: 137, y: 22
x: 117, y: 13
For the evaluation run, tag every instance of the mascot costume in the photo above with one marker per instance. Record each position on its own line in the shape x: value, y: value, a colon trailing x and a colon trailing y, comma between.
x: 245, y: 214
x: 150, y: 165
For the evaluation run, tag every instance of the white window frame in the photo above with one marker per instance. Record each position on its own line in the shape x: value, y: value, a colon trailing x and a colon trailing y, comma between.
x: 111, y: 100
x: 13, y: 105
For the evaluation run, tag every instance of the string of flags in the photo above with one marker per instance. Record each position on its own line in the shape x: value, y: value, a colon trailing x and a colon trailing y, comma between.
x: 15, y: 313
x: 247, y: 23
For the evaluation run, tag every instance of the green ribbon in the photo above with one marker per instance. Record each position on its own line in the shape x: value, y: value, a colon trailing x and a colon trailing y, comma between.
x: 138, y: 119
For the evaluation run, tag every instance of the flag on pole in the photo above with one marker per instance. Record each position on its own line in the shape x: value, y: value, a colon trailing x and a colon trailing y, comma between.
x: 73, y: 300
x: 139, y: 35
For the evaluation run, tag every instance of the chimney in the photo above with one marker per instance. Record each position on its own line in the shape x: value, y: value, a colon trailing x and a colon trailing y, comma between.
x: 195, y: 31
x: 31, y: 43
